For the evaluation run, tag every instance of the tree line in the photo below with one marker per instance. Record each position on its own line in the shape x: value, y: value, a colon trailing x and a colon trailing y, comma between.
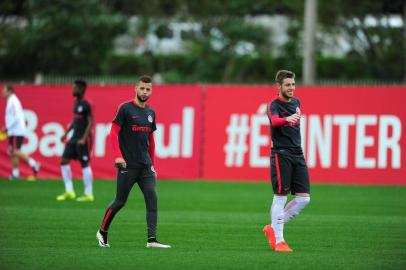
x: 78, y: 38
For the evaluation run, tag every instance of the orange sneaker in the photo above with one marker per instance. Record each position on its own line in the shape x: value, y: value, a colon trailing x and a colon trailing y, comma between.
x: 282, y: 247
x: 270, y: 234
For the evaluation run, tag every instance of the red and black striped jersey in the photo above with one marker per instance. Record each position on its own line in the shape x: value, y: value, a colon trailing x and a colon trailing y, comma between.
x: 285, y: 135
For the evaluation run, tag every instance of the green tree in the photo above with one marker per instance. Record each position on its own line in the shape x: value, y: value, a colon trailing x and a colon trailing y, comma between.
x: 375, y: 44
x: 62, y: 37
x: 378, y: 51
x: 225, y: 42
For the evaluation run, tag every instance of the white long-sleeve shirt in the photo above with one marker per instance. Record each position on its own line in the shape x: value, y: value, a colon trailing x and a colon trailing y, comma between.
x: 15, y: 121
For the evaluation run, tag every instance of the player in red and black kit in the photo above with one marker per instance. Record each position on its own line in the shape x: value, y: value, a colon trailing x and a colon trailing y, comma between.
x: 133, y: 142
x: 79, y: 145
x: 289, y: 171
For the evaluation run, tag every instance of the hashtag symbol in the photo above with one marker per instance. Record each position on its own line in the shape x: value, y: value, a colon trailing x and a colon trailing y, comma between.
x: 236, y: 146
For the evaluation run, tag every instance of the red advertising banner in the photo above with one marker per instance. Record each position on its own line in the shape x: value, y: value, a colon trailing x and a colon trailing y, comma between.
x: 49, y: 109
x: 349, y: 134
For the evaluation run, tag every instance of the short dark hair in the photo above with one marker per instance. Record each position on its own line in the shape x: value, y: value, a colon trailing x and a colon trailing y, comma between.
x: 9, y: 87
x: 283, y: 74
x: 81, y: 83
x: 145, y: 79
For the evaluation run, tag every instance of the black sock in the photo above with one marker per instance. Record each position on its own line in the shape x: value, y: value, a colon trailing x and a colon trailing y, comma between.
x: 151, y: 239
x: 104, y: 234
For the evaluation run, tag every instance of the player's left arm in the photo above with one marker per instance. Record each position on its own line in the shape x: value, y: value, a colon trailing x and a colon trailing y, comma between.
x: 151, y: 151
x: 151, y: 148
x: 296, y: 116
x: 90, y: 120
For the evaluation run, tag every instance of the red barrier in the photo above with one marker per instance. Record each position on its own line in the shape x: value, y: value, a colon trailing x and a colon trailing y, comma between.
x: 350, y: 134
x: 49, y: 109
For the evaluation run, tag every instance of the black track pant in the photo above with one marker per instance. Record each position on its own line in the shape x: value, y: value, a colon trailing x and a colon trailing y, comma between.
x: 146, y: 180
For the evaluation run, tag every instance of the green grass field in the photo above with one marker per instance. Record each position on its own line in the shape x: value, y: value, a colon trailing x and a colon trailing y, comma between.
x: 210, y: 225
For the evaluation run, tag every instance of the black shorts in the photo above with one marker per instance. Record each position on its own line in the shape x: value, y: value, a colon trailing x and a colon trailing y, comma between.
x: 289, y: 174
x: 15, y: 142
x: 78, y: 152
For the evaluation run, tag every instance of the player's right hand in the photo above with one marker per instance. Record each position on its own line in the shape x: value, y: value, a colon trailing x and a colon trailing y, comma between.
x: 293, y: 118
x: 63, y: 138
x: 120, y: 163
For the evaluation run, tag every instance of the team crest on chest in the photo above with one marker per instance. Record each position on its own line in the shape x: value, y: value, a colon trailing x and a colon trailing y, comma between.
x: 297, y: 110
x: 80, y: 109
x: 150, y: 119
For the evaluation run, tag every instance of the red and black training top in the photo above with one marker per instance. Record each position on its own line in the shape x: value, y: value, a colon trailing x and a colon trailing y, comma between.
x: 82, y: 109
x: 285, y: 135
x: 131, y: 135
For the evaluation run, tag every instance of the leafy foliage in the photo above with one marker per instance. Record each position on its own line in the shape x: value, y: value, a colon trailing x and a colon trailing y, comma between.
x: 68, y: 37
x: 76, y: 38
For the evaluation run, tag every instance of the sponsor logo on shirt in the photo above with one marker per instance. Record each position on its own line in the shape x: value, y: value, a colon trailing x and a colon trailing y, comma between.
x: 80, y: 109
x: 138, y: 128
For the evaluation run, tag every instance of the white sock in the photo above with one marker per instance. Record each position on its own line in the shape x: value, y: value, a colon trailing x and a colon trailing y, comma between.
x: 88, y: 180
x: 277, y: 216
x: 294, y: 207
x: 32, y: 162
x: 15, y: 172
x: 67, y: 177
